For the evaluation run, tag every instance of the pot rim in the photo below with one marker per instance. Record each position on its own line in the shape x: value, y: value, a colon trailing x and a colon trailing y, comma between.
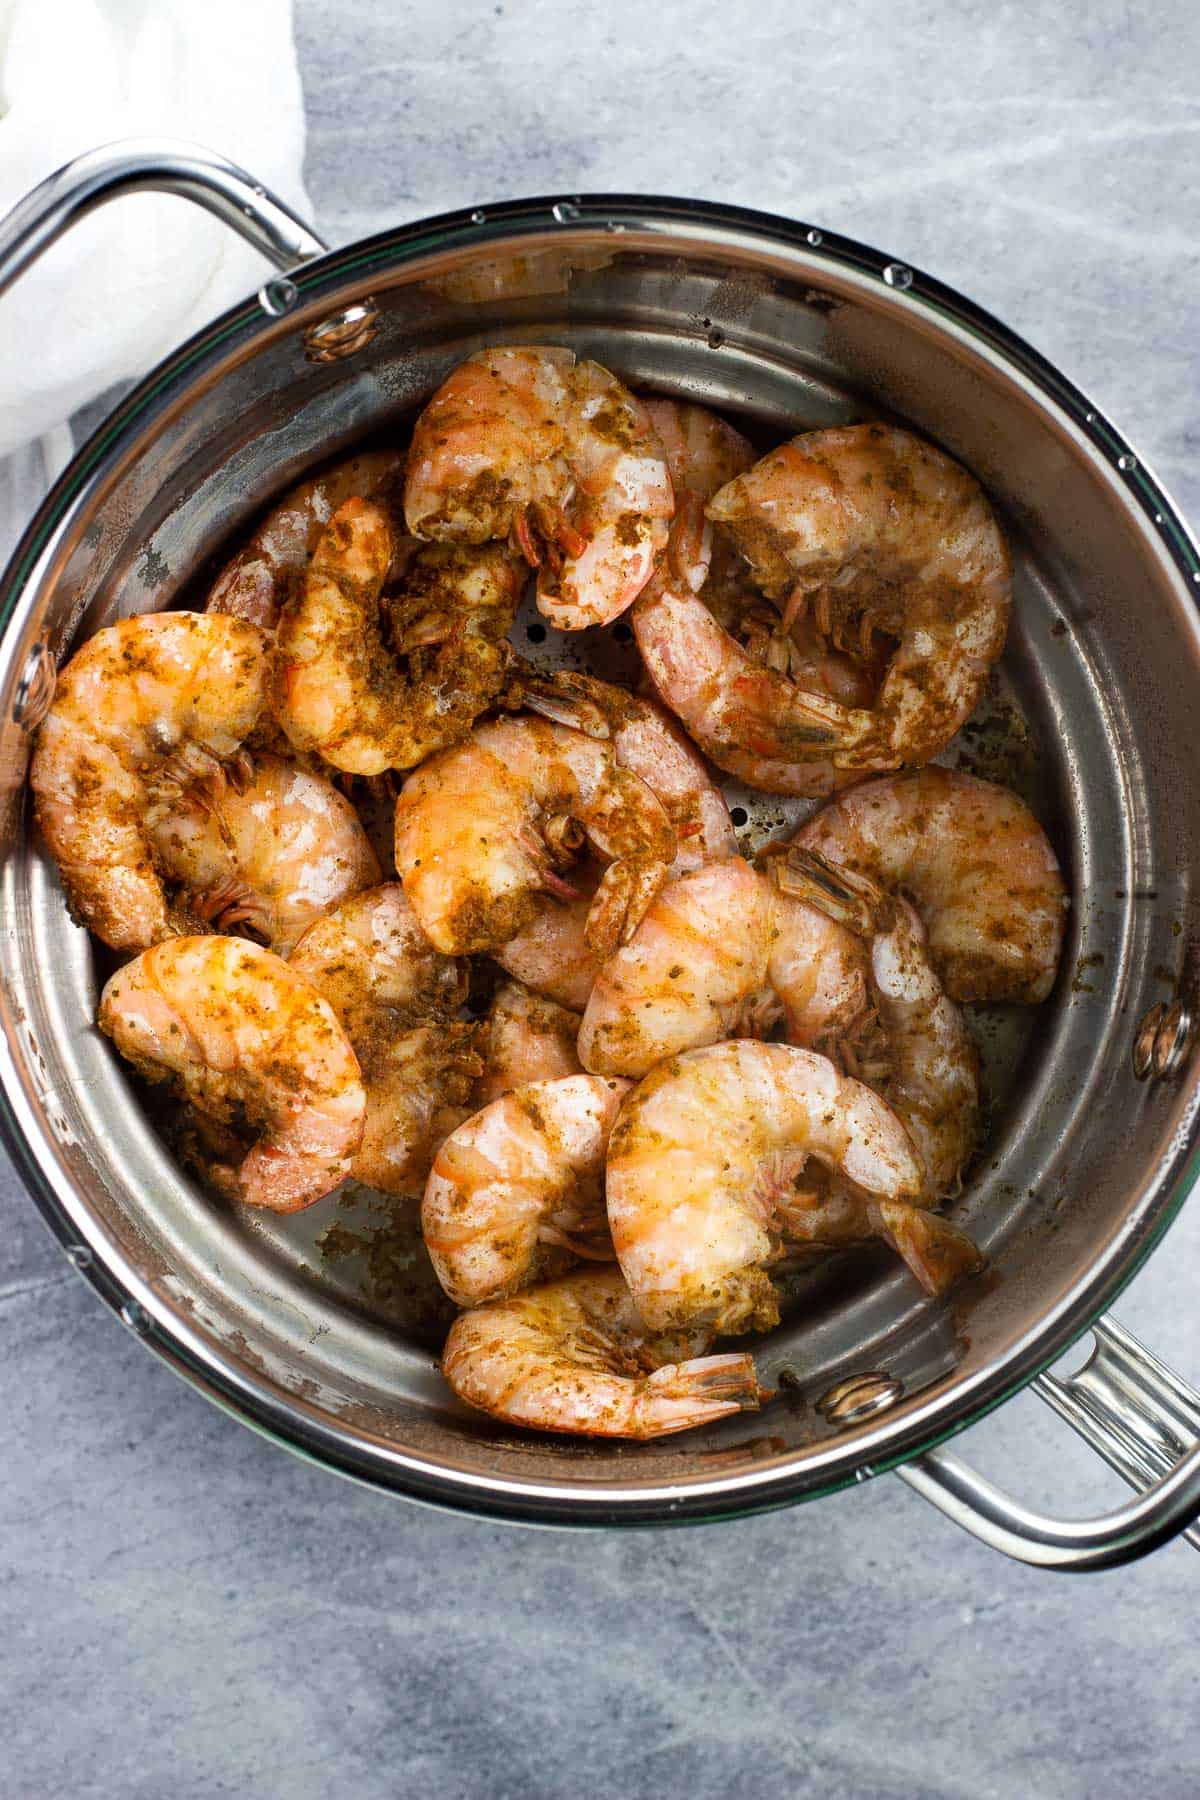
x: 950, y: 1405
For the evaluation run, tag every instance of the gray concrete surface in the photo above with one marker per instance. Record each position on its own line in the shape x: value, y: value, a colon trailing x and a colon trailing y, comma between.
x: 186, y: 1611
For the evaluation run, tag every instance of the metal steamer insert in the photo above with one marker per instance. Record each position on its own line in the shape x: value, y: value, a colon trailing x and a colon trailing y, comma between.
x: 1092, y: 1097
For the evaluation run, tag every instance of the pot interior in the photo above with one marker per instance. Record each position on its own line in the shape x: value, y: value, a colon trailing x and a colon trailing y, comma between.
x: 325, y: 1326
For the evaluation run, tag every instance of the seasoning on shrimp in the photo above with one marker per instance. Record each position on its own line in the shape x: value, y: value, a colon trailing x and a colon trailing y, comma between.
x: 551, y: 953
x: 872, y: 529
x: 723, y: 951
x: 975, y: 862
x: 516, y: 1192
x: 145, y: 711
x: 719, y: 657
x: 365, y: 704
x: 482, y: 829
x: 525, y: 443
x: 268, y: 569
x: 263, y: 850
x: 525, y: 1038
x: 397, y: 999
x: 245, y: 1040
x: 707, y: 1164
x: 576, y: 1356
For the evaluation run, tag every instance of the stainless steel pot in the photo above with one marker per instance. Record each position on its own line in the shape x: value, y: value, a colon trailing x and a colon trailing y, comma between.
x: 1093, y: 1143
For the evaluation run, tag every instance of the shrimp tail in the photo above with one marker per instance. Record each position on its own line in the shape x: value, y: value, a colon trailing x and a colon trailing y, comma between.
x: 562, y: 697
x: 843, y: 895
x: 621, y: 902
x: 681, y: 1396
x: 937, y: 1253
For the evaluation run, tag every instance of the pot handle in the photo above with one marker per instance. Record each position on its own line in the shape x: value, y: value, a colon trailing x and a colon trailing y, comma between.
x: 163, y: 165
x: 1142, y: 1419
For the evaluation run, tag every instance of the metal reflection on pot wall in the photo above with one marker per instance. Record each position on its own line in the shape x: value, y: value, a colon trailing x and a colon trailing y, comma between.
x: 1085, y: 1165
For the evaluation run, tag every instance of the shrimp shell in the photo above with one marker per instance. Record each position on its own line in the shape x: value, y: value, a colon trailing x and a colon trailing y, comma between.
x: 574, y: 1356
x: 146, y: 708
x: 704, y: 1160
x: 471, y: 834
x: 238, y: 1033
x: 721, y: 951
x: 340, y: 690
x: 879, y: 527
x: 526, y: 1038
x: 517, y: 1191
x: 271, y: 852
x: 977, y: 865
x: 396, y: 997
x: 268, y: 569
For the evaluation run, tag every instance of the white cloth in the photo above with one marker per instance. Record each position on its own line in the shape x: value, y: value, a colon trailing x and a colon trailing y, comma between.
x: 130, y: 282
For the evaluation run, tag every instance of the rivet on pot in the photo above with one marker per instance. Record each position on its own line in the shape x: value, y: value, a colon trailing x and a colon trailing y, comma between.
x: 35, y: 690
x: 278, y: 297
x: 134, y: 1314
x: 1162, y: 1040
x: 342, y: 333
x: 79, y: 1256
x: 860, y: 1397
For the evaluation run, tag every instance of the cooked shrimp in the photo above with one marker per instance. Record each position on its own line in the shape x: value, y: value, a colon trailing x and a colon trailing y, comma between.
x: 516, y: 1193
x: 723, y: 951
x: 145, y: 709
x: 263, y: 851
x: 479, y: 830
x: 738, y: 700
x: 396, y: 997
x: 878, y: 531
x: 574, y: 1355
x: 268, y: 569
x: 623, y: 508
x: 977, y: 865
x: 558, y: 455
x: 342, y: 692
x: 920, y: 1059
x: 488, y: 450
x: 748, y: 717
x: 241, y: 1035
x: 551, y: 954
x: 703, y: 1164
x: 703, y: 454
x: 525, y: 1038
x: 647, y: 742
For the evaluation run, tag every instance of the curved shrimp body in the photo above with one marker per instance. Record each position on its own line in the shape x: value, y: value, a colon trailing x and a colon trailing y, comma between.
x: 878, y: 530
x: 342, y: 692
x: 722, y: 951
x: 703, y: 453
x: 239, y: 1034
x: 647, y: 742
x: 559, y: 455
x: 551, y: 954
x: 269, y: 568
x: 920, y: 1059
x: 623, y: 507
x: 526, y: 1038
x: 705, y: 1160
x: 396, y: 997
x: 480, y: 827
x: 516, y: 1193
x: 749, y: 718
x: 975, y: 862
x: 265, y: 852
x: 742, y: 706
x: 574, y: 1355
x: 145, y: 709
x: 488, y: 449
